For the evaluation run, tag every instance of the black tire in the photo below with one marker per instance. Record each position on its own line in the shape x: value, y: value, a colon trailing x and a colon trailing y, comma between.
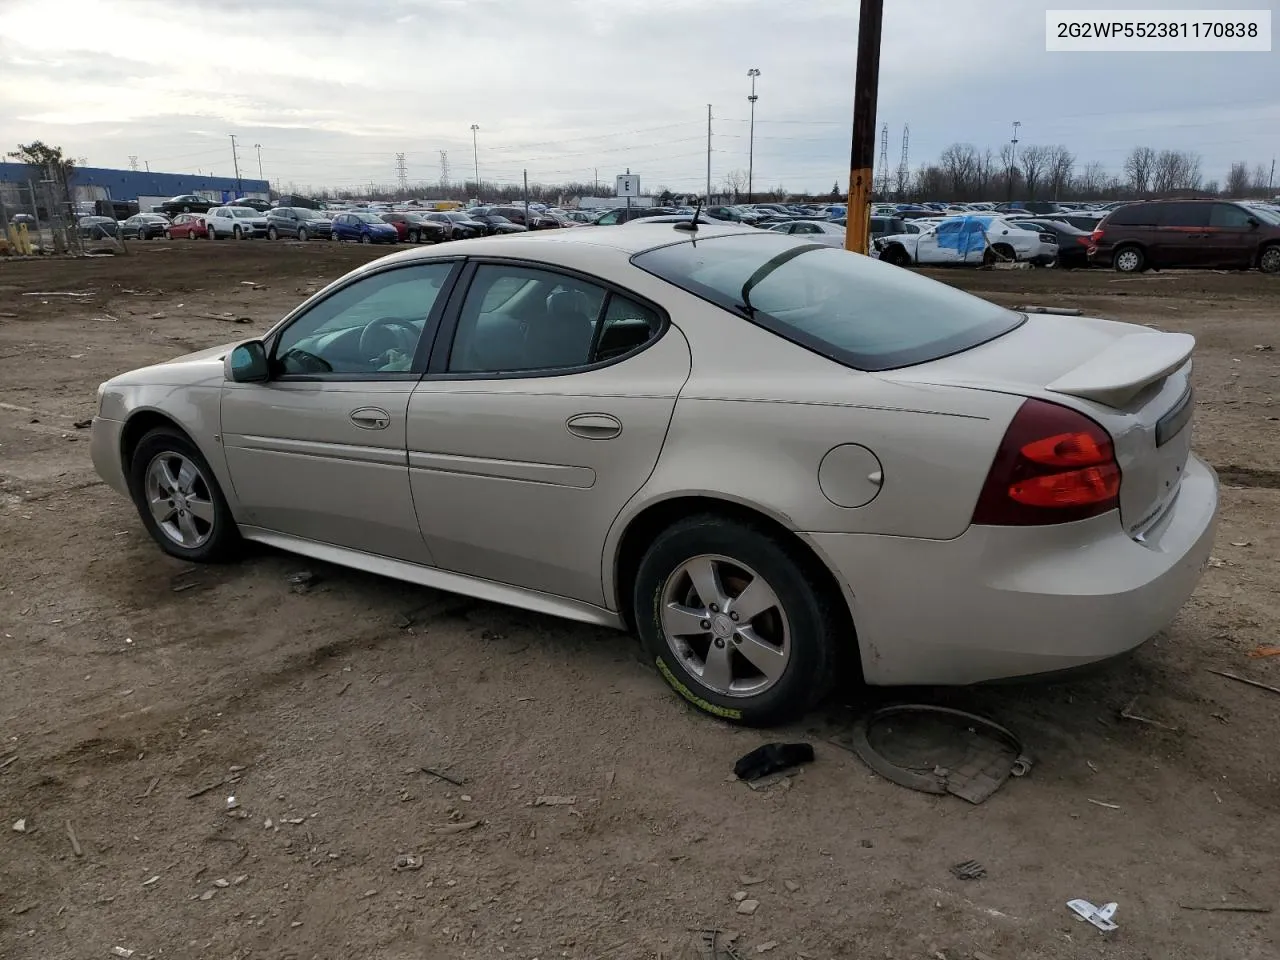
x: 365, y: 238
x: 896, y: 256
x: 273, y: 233
x: 1269, y: 259
x: 186, y: 209
x: 302, y: 234
x: 814, y: 623
x: 237, y: 233
x: 1129, y: 259
x: 168, y: 235
x: 224, y: 537
x: 413, y: 236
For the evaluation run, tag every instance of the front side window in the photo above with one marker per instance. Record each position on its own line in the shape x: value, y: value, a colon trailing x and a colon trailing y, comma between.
x: 849, y: 308
x: 1230, y: 216
x: 368, y: 327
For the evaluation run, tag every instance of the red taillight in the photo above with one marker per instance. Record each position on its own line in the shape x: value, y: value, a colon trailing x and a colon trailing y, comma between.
x: 1054, y: 465
x: 1089, y: 240
x: 1095, y: 236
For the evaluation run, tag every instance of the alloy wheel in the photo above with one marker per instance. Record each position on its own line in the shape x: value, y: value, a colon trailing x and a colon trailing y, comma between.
x: 180, y: 500
x: 726, y: 625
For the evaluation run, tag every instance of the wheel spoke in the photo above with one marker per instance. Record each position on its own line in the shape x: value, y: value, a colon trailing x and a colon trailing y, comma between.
x: 764, y: 656
x: 168, y: 479
x: 705, y: 574
x: 161, y: 509
x: 680, y: 621
x: 187, y: 524
x: 753, y: 601
x: 187, y: 476
x: 203, y: 509
x: 716, y: 671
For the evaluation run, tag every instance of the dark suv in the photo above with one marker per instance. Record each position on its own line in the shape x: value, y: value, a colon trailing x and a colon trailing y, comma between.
x: 1187, y: 233
x: 298, y: 223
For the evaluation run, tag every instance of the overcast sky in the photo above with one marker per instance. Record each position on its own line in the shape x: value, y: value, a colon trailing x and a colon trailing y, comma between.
x: 332, y: 90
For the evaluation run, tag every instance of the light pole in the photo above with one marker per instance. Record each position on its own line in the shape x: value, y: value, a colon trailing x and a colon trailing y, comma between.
x: 258, y: 147
x: 475, y: 150
x: 751, y: 136
x: 1013, y: 157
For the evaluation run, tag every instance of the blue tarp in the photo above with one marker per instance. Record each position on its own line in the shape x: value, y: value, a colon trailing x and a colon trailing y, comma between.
x: 966, y: 235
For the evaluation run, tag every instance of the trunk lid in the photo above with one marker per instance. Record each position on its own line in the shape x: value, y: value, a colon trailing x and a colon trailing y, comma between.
x: 1133, y: 381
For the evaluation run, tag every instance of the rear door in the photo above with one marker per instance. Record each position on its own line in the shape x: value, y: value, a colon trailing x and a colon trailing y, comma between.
x: 545, y: 407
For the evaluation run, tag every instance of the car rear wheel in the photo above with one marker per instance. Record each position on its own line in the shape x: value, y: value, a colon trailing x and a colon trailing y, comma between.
x: 273, y: 233
x: 413, y: 236
x: 735, y: 621
x: 1129, y: 260
x: 179, y: 500
x: 168, y: 235
x: 1269, y: 261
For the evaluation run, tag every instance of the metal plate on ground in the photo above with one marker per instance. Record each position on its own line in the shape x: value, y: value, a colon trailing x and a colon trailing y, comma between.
x: 937, y: 750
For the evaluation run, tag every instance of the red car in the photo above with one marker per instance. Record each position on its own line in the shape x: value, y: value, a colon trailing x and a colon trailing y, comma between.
x: 187, y: 226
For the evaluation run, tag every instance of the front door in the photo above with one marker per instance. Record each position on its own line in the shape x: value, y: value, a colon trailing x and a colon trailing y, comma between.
x: 318, y: 451
x: 1233, y: 236
x: 544, y: 411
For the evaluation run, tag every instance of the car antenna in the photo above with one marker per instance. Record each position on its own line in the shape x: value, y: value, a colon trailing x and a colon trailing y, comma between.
x: 692, y: 224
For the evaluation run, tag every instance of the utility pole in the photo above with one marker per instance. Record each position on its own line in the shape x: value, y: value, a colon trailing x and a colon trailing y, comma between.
x: 1013, y: 157
x: 147, y: 164
x: 751, y: 136
x: 903, y: 164
x: 883, y: 162
x: 866, y: 87
x: 595, y: 175
x: 475, y: 150
x: 235, y: 161
x: 258, y: 147
x: 1271, y: 179
x: 708, y: 200
x: 527, y: 222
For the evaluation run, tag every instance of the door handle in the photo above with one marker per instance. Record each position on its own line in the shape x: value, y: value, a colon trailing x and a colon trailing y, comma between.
x: 594, y: 426
x: 371, y: 418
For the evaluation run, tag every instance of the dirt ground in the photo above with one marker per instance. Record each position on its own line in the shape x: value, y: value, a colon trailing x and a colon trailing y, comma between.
x: 131, y: 682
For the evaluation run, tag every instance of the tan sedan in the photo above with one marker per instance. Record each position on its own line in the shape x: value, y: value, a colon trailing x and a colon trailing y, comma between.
x: 768, y: 457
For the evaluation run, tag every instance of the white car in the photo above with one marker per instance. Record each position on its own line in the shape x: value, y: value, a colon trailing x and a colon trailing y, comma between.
x: 238, y: 223
x: 815, y: 231
x: 969, y: 239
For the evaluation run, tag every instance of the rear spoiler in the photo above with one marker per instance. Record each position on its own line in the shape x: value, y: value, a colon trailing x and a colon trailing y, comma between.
x: 1127, y: 367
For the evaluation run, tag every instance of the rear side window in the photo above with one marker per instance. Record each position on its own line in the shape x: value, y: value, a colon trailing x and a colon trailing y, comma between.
x: 1135, y: 214
x: 857, y: 311
x: 1184, y: 215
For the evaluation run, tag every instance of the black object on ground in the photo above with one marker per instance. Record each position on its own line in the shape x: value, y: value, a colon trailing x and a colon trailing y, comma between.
x: 772, y: 758
x: 969, y: 870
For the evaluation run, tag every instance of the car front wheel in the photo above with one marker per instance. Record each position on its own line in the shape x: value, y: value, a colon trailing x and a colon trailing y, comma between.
x: 272, y: 233
x: 302, y: 233
x: 179, y: 499
x: 735, y: 620
x: 1269, y: 261
x: 365, y: 238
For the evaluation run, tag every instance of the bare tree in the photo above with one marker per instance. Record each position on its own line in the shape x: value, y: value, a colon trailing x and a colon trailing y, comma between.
x: 959, y: 164
x: 1212, y: 187
x: 1008, y: 164
x: 930, y: 181
x: 1092, y: 180
x: 1059, y: 165
x: 1138, y: 166
x: 1238, y: 180
x: 901, y: 181
x: 1261, y: 180
x: 1035, y: 160
x: 734, y: 183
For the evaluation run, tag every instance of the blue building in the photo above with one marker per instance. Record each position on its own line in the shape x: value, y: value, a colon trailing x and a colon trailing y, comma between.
x: 100, y: 183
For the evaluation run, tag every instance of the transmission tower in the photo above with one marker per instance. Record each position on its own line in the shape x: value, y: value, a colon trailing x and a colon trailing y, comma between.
x: 883, y: 165
x: 903, y: 165
x: 402, y: 173
x: 444, y: 168
x: 133, y: 162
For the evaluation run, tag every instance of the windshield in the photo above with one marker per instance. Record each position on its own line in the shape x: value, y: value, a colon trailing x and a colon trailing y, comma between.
x: 457, y: 216
x: 852, y: 309
x: 243, y: 212
x: 1266, y: 215
x: 367, y: 218
x: 310, y: 214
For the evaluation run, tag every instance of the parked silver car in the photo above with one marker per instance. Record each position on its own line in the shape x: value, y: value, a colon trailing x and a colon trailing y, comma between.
x: 765, y: 456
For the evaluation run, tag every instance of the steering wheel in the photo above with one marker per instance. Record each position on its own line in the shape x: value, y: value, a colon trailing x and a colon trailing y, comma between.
x: 384, y: 334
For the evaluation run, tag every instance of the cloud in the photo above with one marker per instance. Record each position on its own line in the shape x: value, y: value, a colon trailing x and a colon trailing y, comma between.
x: 333, y: 90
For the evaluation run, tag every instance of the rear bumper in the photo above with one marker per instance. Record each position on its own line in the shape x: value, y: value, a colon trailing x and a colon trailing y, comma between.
x: 1002, y: 602
x: 1100, y: 257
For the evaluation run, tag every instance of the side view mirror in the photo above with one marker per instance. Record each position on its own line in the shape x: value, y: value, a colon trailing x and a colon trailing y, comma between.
x: 1253, y: 223
x: 247, y: 363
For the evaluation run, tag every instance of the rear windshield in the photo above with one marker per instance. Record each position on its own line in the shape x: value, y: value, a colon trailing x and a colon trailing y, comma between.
x: 852, y: 309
